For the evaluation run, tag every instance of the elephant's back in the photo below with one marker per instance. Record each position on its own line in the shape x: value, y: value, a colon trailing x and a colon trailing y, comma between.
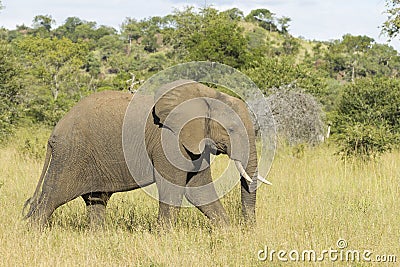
x: 94, y: 112
x: 102, y: 104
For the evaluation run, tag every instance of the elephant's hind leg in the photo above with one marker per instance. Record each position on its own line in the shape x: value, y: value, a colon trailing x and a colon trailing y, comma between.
x: 96, y: 204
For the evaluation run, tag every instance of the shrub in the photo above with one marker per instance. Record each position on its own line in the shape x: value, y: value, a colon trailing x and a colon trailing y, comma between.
x: 364, y: 141
x: 368, y: 119
x: 298, y: 116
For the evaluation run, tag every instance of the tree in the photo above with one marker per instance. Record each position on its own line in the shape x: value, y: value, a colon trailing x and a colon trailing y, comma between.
x: 264, y: 17
x: 10, y: 89
x: 234, y: 14
x: 68, y: 28
x: 381, y: 60
x: 43, y: 21
x: 42, y: 25
x: 53, y: 60
x: 53, y: 68
x: 210, y: 35
x: 131, y: 30
x: 344, y: 56
x: 359, y: 56
x: 391, y: 27
x: 76, y: 29
x: 284, y: 23
x: 269, y: 73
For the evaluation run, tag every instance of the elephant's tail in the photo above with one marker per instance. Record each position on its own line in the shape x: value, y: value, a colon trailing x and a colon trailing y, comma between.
x: 33, y: 201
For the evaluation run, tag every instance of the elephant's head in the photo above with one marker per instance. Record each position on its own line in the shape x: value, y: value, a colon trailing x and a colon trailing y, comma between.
x: 204, y: 118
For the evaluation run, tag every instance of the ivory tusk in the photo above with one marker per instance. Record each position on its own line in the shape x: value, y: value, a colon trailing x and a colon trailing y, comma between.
x: 242, y: 172
x: 262, y: 179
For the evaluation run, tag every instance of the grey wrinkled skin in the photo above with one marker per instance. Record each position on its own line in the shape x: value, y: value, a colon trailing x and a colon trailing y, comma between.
x: 85, y: 153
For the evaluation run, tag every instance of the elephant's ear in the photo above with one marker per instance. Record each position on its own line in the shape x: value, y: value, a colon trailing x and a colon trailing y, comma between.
x: 180, y: 107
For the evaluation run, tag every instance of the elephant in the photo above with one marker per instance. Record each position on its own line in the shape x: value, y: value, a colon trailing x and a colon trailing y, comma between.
x: 87, y: 156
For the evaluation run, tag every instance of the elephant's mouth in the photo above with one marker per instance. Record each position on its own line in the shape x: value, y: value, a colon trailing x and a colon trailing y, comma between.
x: 217, y: 150
x: 220, y: 148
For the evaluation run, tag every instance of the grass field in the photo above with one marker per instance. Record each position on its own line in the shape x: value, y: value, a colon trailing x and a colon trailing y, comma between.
x: 315, y: 201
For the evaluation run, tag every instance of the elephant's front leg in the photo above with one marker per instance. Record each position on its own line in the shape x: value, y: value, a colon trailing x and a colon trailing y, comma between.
x: 200, y: 191
x: 171, y: 188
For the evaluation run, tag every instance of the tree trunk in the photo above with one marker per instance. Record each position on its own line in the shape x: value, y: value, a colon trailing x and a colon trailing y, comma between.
x: 55, y: 88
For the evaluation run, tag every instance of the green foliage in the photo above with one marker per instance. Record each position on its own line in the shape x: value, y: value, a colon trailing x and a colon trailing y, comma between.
x: 10, y: 87
x: 76, y: 29
x: 359, y: 56
x: 368, y: 119
x: 42, y: 25
x: 284, y: 23
x: 154, y: 63
x: 93, y: 64
x: 264, y: 17
x: 130, y: 29
x: 290, y: 46
x: 234, y: 14
x: 364, y: 141
x: 53, y: 65
x: 372, y: 100
x: 210, y: 36
x: 45, y: 70
x: 391, y: 27
x: 47, y: 110
x: 277, y: 72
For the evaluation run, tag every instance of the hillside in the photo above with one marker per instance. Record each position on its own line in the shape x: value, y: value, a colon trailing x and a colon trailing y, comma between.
x: 47, y: 70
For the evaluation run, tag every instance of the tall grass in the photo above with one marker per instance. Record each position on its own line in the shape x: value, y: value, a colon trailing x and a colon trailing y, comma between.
x: 315, y: 200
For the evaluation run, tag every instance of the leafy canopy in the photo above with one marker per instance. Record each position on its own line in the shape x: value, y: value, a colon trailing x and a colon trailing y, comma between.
x: 391, y: 27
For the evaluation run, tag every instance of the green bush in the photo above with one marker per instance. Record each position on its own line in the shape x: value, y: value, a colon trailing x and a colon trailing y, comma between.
x: 364, y: 141
x: 45, y: 110
x: 32, y: 141
x: 368, y: 118
x: 10, y: 87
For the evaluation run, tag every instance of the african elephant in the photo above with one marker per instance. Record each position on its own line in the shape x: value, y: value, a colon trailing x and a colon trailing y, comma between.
x: 86, y: 155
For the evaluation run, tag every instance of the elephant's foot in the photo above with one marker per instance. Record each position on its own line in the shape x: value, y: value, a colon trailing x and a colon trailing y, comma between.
x: 167, y: 215
x: 96, y: 215
x: 39, y: 220
x: 216, y: 213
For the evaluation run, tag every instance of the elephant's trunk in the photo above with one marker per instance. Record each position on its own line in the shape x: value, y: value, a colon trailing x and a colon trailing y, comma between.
x: 249, y: 185
x: 245, y: 158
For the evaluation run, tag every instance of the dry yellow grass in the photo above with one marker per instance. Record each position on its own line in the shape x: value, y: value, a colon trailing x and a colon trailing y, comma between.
x: 315, y: 201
